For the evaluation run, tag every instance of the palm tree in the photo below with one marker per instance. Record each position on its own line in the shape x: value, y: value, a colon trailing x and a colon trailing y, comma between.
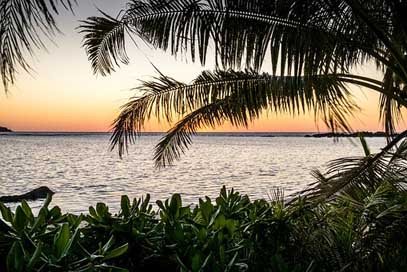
x: 23, y: 26
x: 313, y: 47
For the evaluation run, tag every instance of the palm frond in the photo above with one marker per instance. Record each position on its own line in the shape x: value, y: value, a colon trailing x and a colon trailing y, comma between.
x: 363, y: 175
x: 178, y: 138
x: 213, y: 93
x: 380, y: 28
x: 104, y: 40
x: 390, y: 109
x: 301, y: 36
x: 237, y: 110
x: 23, y: 25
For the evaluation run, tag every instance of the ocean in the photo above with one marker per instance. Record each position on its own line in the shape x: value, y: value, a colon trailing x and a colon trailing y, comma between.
x: 82, y: 171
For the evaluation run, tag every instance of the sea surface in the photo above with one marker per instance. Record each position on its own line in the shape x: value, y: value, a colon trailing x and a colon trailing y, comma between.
x: 82, y: 171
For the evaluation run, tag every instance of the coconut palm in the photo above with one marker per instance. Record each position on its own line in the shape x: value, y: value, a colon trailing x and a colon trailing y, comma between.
x: 313, y: 47
x: 23, y: 26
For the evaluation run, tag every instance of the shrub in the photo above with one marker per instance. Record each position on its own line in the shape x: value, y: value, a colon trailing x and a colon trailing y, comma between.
x: 231, y: 233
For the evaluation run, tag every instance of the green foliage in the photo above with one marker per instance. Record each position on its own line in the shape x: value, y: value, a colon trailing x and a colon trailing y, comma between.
x: 232, y: 233
x: 52, y: 241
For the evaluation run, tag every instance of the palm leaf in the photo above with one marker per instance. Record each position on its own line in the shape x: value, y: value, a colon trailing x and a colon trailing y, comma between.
x: 104, y: 41
x: 178, y: 139
x: 390, y: 109
x: 23, y: 25
x: 301, y: 37
x: 363, y: 175
x: 380, y: 28
x: 238, y: 97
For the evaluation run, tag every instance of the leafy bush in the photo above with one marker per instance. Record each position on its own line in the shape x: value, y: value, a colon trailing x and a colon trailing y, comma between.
x: 52, y: 242
x: 231, y: 233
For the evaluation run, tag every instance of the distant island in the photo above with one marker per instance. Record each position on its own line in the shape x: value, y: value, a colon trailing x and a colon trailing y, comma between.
x: 4, y: 129
x: 355, y: 134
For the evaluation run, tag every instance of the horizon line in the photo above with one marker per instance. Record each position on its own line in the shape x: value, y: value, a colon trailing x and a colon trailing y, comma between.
x: 199, y: 132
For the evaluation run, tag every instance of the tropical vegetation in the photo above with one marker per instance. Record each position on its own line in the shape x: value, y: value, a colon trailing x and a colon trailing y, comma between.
x: 353, y: 218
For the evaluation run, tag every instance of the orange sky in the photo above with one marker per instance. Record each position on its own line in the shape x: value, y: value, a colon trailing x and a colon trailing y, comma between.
x: 63, y: 94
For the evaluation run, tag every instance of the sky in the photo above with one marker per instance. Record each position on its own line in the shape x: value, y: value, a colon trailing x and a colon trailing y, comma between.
x: 62, y: 94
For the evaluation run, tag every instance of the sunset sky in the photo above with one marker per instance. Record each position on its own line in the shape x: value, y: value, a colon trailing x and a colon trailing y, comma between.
x: 62, y: 94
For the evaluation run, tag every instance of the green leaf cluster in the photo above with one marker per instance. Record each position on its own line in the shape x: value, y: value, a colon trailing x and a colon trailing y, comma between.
x: 52, y: 241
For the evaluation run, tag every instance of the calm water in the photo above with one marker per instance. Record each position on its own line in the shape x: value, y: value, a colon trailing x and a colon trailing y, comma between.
x: 82, y: 172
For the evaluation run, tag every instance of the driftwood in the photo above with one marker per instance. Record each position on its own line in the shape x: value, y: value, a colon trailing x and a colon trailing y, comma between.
x: 38, y: 193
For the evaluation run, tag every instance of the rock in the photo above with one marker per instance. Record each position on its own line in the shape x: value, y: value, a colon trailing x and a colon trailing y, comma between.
x: 4, y: 129
x: 38, y: 193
